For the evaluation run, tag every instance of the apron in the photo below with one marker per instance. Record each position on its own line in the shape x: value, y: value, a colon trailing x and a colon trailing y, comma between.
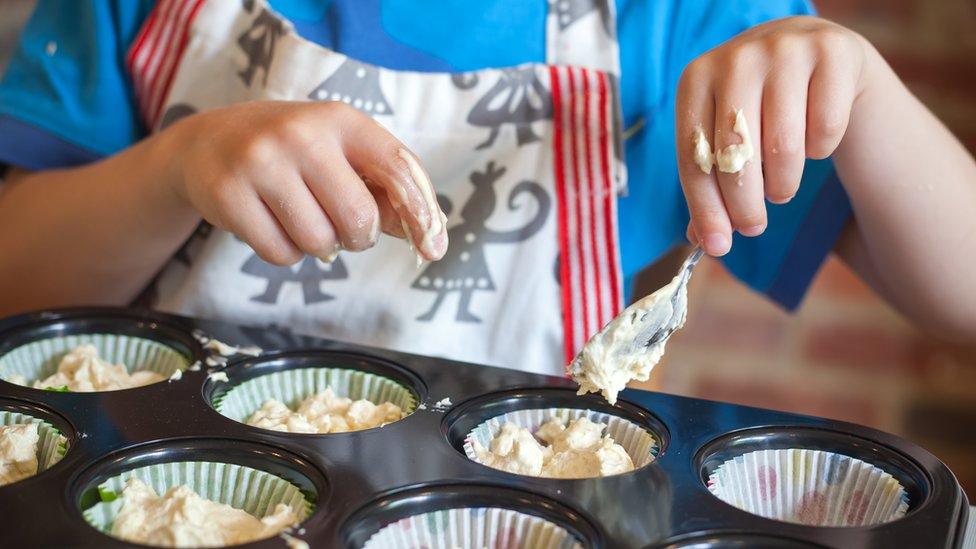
x: 526, y: 162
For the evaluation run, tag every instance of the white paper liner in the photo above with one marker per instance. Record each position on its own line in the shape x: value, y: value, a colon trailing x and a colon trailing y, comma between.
x: 38, y: 360
x: 252, y: 490
x: 293, y: 386
x: 51, y: 444
x: 810, y: 487
x: 637, y: 441
x: 473, y: 528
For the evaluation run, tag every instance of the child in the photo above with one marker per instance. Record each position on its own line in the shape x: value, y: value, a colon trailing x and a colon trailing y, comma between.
x: 126, y: 124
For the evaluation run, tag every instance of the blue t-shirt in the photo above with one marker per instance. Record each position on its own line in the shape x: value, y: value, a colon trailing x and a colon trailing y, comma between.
x: 66, y: 99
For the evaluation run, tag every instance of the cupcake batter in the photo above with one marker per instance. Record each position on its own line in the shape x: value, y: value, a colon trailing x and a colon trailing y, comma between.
x: 731, y: 159
x: 325, y: 413
x: 82, y: 370
x: 18, y: 452
x: 181, y: 518
x: 610, y: 359
x: 576, y: 451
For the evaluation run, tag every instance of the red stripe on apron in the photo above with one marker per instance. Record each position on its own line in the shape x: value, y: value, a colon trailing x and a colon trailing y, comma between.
x: 155, y: 56
x: 143, y: 50
x: 167, y: 63
x: 582, y: 142
x: 164, y: 44
x: 148, y: 28
x: 593, y: 192
x: 609, y: 202
x: 578, y: 194
x: 562, y: 222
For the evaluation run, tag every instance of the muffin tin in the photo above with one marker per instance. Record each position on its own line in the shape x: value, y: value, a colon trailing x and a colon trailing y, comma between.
x: 362, y: 481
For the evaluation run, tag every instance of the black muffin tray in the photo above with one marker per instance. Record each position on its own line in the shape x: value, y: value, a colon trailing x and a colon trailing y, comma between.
x: 363, y: 480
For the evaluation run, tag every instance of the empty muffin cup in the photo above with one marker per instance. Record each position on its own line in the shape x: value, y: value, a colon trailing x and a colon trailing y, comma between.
x: 292, y: 386
x: 256, y: 492
x: 472, y: 528
x: 810, y: 487
x: 469, y: 515
x: 150, y: 360
x: 51, y: 446
x: 639, y: 444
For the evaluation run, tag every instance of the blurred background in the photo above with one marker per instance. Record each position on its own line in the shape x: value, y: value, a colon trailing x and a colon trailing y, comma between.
x: 845, y: 354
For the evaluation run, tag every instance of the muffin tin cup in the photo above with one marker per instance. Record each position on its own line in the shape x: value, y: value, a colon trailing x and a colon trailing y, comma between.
x: 734, y: 540
x: 251, y: 490
x: 639, y: 444
x: 473, y: 527
x: 51, y: 443
x: 810, y: 487
x: 447, y: 516
x: 250, y: 476
x: 37, y: 360
x: 642, y: 435
x: 294, y: 385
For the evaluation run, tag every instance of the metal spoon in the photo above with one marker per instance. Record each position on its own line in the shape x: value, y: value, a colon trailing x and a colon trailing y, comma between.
x: 667, y: 315
x: 631, y: 344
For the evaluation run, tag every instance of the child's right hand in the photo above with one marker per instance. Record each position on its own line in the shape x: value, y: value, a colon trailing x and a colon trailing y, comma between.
x: 292, y: 178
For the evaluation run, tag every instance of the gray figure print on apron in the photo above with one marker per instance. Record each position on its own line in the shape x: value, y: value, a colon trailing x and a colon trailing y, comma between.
x: 524, y: 161
x: 464, y: 269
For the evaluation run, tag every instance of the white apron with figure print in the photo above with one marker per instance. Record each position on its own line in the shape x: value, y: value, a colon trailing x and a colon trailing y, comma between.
x: 525, y: 160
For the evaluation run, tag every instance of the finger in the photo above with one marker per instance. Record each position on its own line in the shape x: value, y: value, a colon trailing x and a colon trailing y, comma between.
x: 386, y: 163
x: 831, y: 97
x: 695, y: 111
x: 301, y: 216
x: 389, y: 219
x: 343, y: 195
x: 783, y: 133
x: 256, y: 225
x: 741, y: 183
x: 691, y: 235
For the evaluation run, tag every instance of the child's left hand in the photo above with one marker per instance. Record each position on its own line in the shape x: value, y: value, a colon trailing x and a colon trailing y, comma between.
x: 796, y: 81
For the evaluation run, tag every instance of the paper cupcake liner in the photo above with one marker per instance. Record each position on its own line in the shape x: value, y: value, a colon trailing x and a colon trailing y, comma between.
x: 637, y: 441
x: 51, y: 444
x: 293, y: 386
x: 472, y: 528
x: 252, y: 490
x: 810, y: 487
x: 39, y: 359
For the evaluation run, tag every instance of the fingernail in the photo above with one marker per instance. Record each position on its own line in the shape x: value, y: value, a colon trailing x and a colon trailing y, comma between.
x: 331, y: 256
x: 755, y: 230
x: 717, y: 244
x: 781, y: 200
x: 438, y: 246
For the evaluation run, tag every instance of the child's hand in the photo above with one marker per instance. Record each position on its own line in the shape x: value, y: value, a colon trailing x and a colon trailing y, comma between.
x: 292, y: 179
x: 796, y: 81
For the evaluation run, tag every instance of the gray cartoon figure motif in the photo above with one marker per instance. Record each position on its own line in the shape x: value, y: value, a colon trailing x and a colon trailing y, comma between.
x: 570, y: 11
x: 258, y: 43
x: 518, y: 98
x: 464, y: 269
x: 356, y: 84
x: 310, y: 274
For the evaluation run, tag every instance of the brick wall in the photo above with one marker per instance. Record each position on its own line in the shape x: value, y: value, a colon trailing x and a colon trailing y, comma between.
x: 845, y: 354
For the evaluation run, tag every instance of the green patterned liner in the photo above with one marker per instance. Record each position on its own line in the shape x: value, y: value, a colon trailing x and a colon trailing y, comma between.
x: 293, y: 386
x: 252, y: 490
x: 637, y: 441
x: 51, y: 444
x: 39, y: 359
x: 473, y: 528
